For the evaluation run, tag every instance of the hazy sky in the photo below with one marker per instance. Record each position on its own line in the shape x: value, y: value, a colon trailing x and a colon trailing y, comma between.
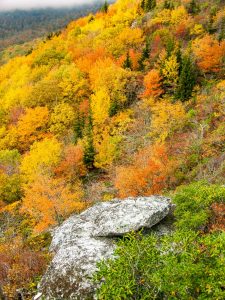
x: 26, y: 4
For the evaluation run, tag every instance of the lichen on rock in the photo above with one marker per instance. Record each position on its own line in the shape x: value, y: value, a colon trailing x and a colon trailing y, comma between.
x: 85, y: 239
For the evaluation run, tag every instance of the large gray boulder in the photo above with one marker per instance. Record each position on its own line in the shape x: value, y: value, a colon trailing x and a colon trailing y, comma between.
x: 85, y: 239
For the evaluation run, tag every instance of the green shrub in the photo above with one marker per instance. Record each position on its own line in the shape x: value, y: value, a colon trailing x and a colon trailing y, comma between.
x: 193, y: 204
x: 10, y: 188
x: 125, y: 276
x: 185, y: 266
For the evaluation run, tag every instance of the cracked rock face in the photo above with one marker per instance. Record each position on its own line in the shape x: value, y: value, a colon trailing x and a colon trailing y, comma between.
x: 85, y: 239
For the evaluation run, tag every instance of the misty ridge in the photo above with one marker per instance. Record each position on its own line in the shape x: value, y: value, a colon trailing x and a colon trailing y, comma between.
x: 7, y: 5
x: 24, y: 21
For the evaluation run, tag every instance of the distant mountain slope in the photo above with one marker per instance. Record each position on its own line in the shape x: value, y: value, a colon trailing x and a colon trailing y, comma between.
x: 17, y: 50
x: 19, y: 26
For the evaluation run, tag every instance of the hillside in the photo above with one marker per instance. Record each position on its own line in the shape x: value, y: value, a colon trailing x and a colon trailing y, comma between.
x: 20, y: 26
x: 18, y: 50
x: 126, y: 102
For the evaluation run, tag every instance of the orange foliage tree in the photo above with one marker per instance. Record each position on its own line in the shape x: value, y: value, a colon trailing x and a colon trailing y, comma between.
x: 152, y: 83
x: 149, y: 174
x: 48, y: 201
x: 72, y: 164
x: 18, y: 266
x: 209, y: 53
x: 90, y: 59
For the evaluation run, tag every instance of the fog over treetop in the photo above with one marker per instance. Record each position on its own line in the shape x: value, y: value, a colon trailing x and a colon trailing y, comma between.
x: 27, y: 4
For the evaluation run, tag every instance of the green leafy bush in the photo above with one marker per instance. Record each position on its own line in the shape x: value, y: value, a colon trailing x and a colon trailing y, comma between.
x: 185, y: 266
x: 125, y: 277
x: 193, y: 204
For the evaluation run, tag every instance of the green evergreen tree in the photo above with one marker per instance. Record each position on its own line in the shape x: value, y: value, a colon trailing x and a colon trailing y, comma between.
x: 89, y: 151
x: 221, y: 36
x: 211, y: 29
x: 127, y: 64
x: 179, y: 58
x: 168, y: 4
x: 78, y: 127
x: 105, y: 7
x: 193, y: 7
x: 114, y: 108
x: 187, y: 79
x: 143, y: 4
x: 144, y: 55
x: 149, y: 5
x: 170, y: 47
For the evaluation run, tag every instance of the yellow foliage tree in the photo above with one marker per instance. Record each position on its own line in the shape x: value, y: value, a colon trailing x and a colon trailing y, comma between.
x: 14, y: 86
x: 167, y: 118
x: 62, y: 118
x: 128, y: 39
x: 32, y: 126
x: 107, y: 139
x: 100, y: 104
x: 106, y: 146
x: 73, y: 83
x: 43, y: 156
x: 170, y: 71
x: 178, y: 15
x: 106, y: 75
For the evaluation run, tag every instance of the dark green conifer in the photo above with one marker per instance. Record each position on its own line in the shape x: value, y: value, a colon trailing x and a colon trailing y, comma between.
x: 114, y: 108
x: 144, y: 55
x: 89, y: 150
x: 168, y: 4
x: 143, y: 4
x: 222, y: 31
x: 193, y: 7
x: 105, y: 7
x: 187, y: 79
x: 127, y: 64
x: 78, y: 128
x: 170, y: 47
x: 179, y: 58
x: 149, y: 5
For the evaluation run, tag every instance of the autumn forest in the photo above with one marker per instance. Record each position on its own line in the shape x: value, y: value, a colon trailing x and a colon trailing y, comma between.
x: 125, y: 102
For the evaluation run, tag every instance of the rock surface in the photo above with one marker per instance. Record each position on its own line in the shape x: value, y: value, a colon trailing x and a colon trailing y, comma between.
x: 83, y: 240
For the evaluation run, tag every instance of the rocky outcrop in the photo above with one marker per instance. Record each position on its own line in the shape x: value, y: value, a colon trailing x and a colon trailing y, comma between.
x: 83, y: 240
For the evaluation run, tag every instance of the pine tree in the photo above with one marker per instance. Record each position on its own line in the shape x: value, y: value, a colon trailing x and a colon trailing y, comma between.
x: 105, y: 7
x: 211, y: 29
x: 179, y: 57
x: 78, y: 127
x: 187, y: 79
x: 149, y: 5
x: 127, y: 64
x: 168, y: 4
x: 114, y: 108
x: 89, y: 150
x: 170, y: 46
x: 144, y: 55
x: 143, y: 4
x: 222, y: 31
x: 193, y: 7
